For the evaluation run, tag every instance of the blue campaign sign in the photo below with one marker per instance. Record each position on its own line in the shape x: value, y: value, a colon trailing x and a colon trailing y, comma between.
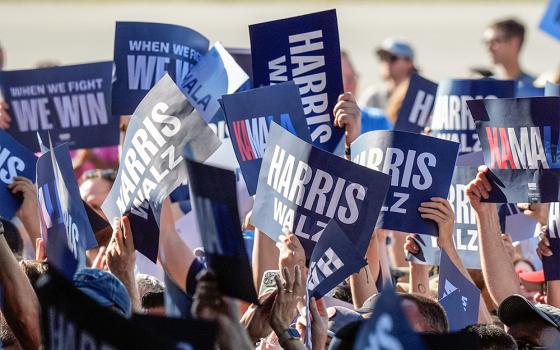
x: 550, y: 22
x: 249, y: 115
x: 218, y: 221
x: 421, y: 167
x: 152, y: 163
x: 520, y: 139
x: 515, y: 223
x: 302, y: 188
x: 458, y: 296
x: 145, y: 230
x: 452, y: 118
x: 304, y: 49
x: 388, y: 328
x: 551, y: 89
x: 551, y: 264
x: 145, y: 52
x: 417, y: 106
x: 215, y: 75
x: 15, y: 160
x: 465, y: 229
x: 64, y: 223
x: 334, y: 258
x: 71, y: 103
x: 243, y: 58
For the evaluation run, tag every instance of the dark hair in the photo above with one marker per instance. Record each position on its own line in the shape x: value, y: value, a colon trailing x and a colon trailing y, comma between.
x: 432, y: 312
x: 343, y: 292
x: 13, y: 237
x: 151, y: 292
x: 7, y: 337
x: 34, y: 269
x: 492, y: 337
x: 512, y: 28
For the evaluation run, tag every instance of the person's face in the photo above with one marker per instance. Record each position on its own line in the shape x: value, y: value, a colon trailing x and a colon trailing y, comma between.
x: 500, y: 47
x: 548, y: 336
x: 349, y: 77
x: 392, y: 67
x: 94, y: 191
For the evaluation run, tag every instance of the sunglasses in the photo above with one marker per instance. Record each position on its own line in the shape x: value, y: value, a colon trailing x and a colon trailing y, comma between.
x: 106, y: 174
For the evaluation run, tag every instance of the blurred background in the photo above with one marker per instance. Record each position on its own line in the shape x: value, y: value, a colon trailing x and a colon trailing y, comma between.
x: 446, y: 35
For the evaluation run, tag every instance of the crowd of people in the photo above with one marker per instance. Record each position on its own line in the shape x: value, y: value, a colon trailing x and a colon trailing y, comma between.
x: 518, y: 309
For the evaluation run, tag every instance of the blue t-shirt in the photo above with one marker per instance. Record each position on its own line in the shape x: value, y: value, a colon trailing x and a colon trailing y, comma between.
x: 374, y: 119
x: 525, y: 87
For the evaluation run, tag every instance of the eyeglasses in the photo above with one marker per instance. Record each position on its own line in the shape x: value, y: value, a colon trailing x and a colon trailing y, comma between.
x: 524, y: 345
x: 495, y: 41
x: 106, y: 174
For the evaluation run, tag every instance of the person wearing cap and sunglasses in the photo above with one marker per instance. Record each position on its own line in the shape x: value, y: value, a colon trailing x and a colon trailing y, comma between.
x: 396, y: 65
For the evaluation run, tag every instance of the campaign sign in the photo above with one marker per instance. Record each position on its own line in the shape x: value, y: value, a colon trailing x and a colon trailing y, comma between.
x: 334, y: 258
x: 177, y: 302
x: 417, y: 106
x: 519, y: 138
x: 218, y: 221
x: 71, y: 103
x: 145, y: 230
x: 452, y: 118
x: 388, y: 328
x: 304, y: 49
x: 465, y: 229
x: 15, y: 160
x: 515, y: 223
x: 551, y: 264
x: 421, y: 167
x: 550, y: 22
x: 551, y: 89
x: 458, y: 296
x: 70, y: 319
x: 188, y: 334
x: 144, y: 53
x: 302, y: 188
x: 215, y: 75
x: 244, y: 59
x: 152, y: 163
x: 65, y: 225
x: 249, y: 115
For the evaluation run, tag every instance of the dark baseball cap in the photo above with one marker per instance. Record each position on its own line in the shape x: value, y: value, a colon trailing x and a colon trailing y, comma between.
x: 517, y: 308
x: 104, y: 288
x: 339, y: 317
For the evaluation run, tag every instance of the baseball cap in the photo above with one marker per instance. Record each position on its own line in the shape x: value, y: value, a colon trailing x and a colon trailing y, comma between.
x: 532, y: 276
x: 517, y: 308
x: 339, y: 317
x: 395, y: 47
x: 104, y: 288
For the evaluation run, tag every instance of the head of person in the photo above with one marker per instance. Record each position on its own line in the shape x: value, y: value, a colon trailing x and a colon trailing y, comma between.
x: 424, y: 314
x: 396, y: 60
x: 349, y: 74
x: 95, y: 185
x: 7, y: 337
x: 492, y: 337
x: 531, y: 325
x: 504, y: 40
x: 151, y: 292
x: 13, y: 237
x: 105, y: 289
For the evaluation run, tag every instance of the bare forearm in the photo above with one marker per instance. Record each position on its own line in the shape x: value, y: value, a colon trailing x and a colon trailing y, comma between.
x: 497, y: 267
x: 419, y: 279
x: 265, y: 256
x: 22, y: 309
x: 362, y: 286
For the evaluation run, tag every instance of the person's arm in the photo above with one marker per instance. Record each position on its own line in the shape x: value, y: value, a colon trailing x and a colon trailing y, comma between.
x: 319, y: 323
x: 552, y: 287
x: 419, y: 278
x: 265, y: 256
x: 28, y: 212
x: 347, y: 115
x: 439, y: 210
x: 497, y: 267
x: 362, y: 283
x: 121, y: 259
x: 21, y: 306
x: 174, y: 255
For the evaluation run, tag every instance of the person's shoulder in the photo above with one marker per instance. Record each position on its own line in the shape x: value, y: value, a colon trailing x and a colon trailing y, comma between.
x: 372, y: 96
